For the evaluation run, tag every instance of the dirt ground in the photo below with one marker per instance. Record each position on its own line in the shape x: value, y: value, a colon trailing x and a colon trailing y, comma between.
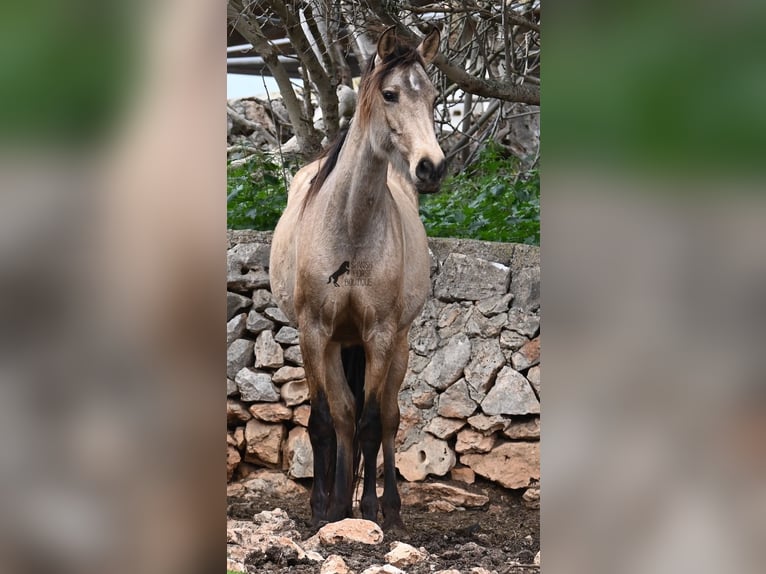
x: 503, y: 537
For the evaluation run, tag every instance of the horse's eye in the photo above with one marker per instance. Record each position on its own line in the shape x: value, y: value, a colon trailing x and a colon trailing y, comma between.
x: 390, y: 96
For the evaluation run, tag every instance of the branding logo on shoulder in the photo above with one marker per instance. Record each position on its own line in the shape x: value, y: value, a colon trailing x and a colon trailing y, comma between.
x: 358, y: 274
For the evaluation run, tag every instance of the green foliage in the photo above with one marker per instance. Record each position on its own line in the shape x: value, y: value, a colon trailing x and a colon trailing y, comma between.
x: 490, y: 200
x: 256, y: 194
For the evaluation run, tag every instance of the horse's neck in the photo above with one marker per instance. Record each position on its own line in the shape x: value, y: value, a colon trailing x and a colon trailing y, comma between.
x: 361, y: 185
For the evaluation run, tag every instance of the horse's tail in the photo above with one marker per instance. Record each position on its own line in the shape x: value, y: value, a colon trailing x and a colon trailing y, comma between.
x: 354, y: 360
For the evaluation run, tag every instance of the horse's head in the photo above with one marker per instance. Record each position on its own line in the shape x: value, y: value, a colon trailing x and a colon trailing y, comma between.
x: 396, y: 105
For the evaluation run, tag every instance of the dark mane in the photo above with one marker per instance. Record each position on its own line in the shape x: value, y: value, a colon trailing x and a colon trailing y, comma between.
x: 369, y: 89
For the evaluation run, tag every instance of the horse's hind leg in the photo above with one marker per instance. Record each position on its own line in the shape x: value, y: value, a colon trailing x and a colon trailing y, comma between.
x: 322, y: 436
x: 369, y: 439
x: 391, y: 502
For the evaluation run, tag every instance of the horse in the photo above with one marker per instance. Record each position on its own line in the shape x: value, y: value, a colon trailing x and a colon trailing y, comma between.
x: 355, y: 210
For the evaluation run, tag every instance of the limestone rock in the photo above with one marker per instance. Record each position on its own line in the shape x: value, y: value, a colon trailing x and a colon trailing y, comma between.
x: 255, y: 278
x: 523, y: 430
x: 248, y: 255
x: 271, y: 412
x: 488, y: 425
x: 277, y: 315
x: 273, y: 483
x: 450, y: 571
x: 533, y: 376
x: 350, y: 530
x: 235, y: 303
x: 385, y: 569
x: 231, y: 387
x: 255, y: 386
x: 536, y: 561
x: 422, y: 394
x: 293, y: 355
x: 512, y: 465
x: 527, y: 356
x: 531, y: 498
x: 440, y: 506
x: 287, y: 336
x: 463, y: 474
x: 416, y: 363
x: 257, y: 323
x: 471, y: 278
x: 495, y: 305
x: 418, y: 494
x: 268, y: 353
x: 469, y: 440
x: 264, y: 441
x: 456, y: 402
x: 523, y: 322
x: 239, y: 438
x: 295, y: 392
x: 429, y: 456
x: 512, y: 340
x: 299, y: 456
x: 236, y: 412
x: 334, y: 564
x: 232, y: 461
x: 525, y: 286
x: 238, y: 356
x: 262, y: 299
x: 481, y: 326
x: 486, y: 361
x: 423, y: 338
x: 403, y: 555
x: 511, y: 395
x: 444, y: 428
x: 235, y: 328
x: 452, y: 319
x: 301, y: 415
x: 448, y: 362
x: 285, y: 374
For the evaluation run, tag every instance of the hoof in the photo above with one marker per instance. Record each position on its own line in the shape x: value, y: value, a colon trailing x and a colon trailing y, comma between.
x: 393, y: 524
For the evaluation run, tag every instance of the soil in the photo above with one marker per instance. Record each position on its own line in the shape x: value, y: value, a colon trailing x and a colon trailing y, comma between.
x: 503, y: 537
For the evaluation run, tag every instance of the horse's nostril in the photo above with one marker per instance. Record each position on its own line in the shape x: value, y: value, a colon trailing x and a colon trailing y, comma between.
x: 425, y: 170
x: 441, y: 169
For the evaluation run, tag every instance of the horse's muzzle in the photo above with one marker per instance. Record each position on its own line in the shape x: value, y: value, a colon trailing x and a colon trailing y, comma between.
x: 429, y: 176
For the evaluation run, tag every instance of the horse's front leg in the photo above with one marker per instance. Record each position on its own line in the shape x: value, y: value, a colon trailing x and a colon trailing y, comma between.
x: 391, y: 503
x: 323, y: 444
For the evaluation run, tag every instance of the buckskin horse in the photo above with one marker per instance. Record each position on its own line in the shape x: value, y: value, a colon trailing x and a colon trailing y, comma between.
x: 358, y: 203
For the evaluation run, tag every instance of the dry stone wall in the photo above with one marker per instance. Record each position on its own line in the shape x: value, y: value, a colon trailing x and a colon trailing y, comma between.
x: 470, y: 402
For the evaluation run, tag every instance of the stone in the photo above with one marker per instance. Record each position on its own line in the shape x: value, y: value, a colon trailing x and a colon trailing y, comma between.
x: 429, y: 456
x: 422, y: 394
x: 511, y: 395
x: 299, y: 457
x: 271, y: 412
x: 293, y: 355
x: 463, y: 474
x: 264, y: 442
x: 350, y: 530
x: 481, y: 326
x: 450, y: 571
x: 403, y: 555
x: 417, y: 363
x: 420, y: 494
x: 232, y: 461
x: 238, y: 356
x: 257, y: 323
x: 471, y: 278
x: 533, y: 376
x: 512, y: 340
x: 523, y: 322
x: 287, y: 336
x: 469, y: 440
x: 488, y: 425
x: 239, y: 438
x: 268, y: 353
x: 527, y: 356
x: 295, y: 392
x: 525, y: 286
x: 495, y: 305
x: 423, y: 339
x: 235, y: 303
x: 286, y: 374
x: 486, y: 361
x: 235, y: 328
x: 244, y: 268
x: 455, y: 402
x: 262, y: 299
x: 272, y: 483
x: 385, y: 569
x: 301, y: 415
x: 531, y: 498
x: 536, y: 560
x: 444, y: 428
x: 236, y: 412
x: 334, y: 564
x: 523, y: 430
x: 231, y: 387
x: 452, y: 319
x: 276, y: 314
x: 512, y: 464
x: 256, y: 386
x: 249, y: 254
x: 448, y: 362
x: 440, y: 506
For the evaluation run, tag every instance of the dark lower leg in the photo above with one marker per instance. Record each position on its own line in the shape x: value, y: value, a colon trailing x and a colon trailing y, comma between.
x: 340, y: 501
x: 323, y: 443
x: 369, y: 438
x: 391, y: 503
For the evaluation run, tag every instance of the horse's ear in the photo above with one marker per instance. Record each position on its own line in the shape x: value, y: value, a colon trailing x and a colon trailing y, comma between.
x: 429, y: 47
x: 386, y: 45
